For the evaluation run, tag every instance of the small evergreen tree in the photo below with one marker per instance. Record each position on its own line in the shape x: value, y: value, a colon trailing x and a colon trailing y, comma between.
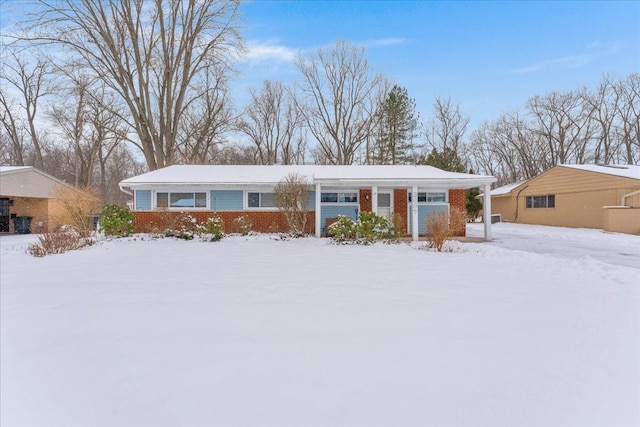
x: 474, y: 205
x: 447, y: 160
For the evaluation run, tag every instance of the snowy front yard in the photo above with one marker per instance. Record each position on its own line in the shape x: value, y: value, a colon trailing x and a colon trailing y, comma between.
x: 539, y: 327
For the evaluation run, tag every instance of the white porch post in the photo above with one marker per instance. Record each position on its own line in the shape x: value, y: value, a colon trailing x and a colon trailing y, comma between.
x: 487, y: 212
x: 318, y: 198
x: 414, y: 213
x: 374, y: 200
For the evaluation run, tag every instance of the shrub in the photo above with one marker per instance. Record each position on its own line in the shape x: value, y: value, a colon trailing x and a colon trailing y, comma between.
x: 399, y: 228
x: 343, y: 230
x: 183, y: 227
x: 76, y: 207
x: 291, y: 196
x: 243, y: 225
x: 116, y: 221
x: 441, y: 226
x: 368, y: 229
x: 212, y: 228
x: 57, y: 242
x: 371, y: 227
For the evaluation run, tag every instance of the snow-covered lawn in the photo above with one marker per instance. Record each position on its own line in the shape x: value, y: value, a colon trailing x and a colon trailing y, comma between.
x: 539, y: 327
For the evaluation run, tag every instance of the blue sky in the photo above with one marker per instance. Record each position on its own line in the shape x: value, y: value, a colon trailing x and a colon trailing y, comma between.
x: 488, y: 56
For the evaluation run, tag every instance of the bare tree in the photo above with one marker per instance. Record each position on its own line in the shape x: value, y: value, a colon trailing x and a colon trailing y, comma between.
x: 206, y: 121
x: 563, y: 120
x: 291, y: 196
x: 448, y: 126
x: 628, y: 130
x: 151, y: 53
x: 340, y: 94
x: 603, y: 102
x: 271, y: 122
x: 26, y: 80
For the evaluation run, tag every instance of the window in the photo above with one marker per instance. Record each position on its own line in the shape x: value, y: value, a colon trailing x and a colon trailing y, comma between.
x: 339, y: 198
x: 260, y: 200
x: 181, y: 200
x: 439, y: 197
x: 548, y: 201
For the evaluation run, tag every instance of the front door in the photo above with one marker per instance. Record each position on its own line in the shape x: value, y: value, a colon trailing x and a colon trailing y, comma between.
x: 4, y: 215
x: 385, y: 205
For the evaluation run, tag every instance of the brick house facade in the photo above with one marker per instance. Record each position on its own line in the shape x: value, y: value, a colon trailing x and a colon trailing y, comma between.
x: 159, y: 197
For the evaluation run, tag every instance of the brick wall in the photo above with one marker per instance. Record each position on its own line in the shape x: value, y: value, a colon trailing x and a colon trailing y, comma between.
x: 365, y: 199
x: 458, y: 199
x: 263, y: 222
x: 400, y: 206
x: 36, y: 208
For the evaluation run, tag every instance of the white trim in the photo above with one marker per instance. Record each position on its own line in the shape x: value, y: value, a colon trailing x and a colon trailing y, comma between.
x: 374, y: 199
x: 414, y: 213
x: 318, y: 209
x: 486, y: 216
x: 624, y: 198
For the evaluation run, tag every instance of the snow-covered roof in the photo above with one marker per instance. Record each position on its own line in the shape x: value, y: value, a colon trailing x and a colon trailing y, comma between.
x: 326, y: 175
x: 506, y: 189
x: 4, y: 169
x: 624, y: 171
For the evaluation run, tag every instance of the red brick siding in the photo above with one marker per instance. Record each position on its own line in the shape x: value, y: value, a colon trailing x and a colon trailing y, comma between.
x: 458, y: 199
x: 400, y: 206
x: 365, y: 199
x: 263, y: 222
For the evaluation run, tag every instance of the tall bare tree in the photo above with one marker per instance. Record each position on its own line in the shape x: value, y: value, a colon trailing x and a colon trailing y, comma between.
x: 271, y: 121
x: 340, y: 93
x: 628, y: 130
x: 152, y: 53
x: 89, y: 126
x: 24, y: 84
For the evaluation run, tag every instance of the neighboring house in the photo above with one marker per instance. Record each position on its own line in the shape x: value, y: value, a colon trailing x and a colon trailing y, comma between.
x: 407, y: 193
x: 589, y: 196
x: 26, y: 192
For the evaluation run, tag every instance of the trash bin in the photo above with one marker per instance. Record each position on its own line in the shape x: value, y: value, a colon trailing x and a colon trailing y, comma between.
x: 22, y: 224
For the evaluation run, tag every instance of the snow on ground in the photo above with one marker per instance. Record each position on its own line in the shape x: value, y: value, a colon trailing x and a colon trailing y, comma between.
x: 539, y: 327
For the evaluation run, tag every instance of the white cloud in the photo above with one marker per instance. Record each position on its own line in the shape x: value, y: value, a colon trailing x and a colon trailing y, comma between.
x: 268, y: 51
x: 565, y: 62
x: 390, y: 41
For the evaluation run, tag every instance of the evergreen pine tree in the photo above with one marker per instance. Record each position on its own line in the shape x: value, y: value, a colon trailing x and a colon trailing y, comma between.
x: 393, y: 136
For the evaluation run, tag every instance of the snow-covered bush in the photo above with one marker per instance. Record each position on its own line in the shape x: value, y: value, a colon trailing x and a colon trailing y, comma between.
x: 57, y: 242
x: 371, y: 227
x: 184, y: 227
x: 243, y: 225
x: 368, y: 229
x: 116, y: 221
x: 212, y: 229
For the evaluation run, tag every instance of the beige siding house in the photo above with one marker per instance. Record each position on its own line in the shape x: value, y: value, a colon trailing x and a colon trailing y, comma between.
x: 26, y: 192
x: 589, y: 196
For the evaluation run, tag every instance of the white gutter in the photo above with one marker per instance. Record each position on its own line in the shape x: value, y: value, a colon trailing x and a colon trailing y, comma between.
x: 125, y: 191
x: 624, y: 198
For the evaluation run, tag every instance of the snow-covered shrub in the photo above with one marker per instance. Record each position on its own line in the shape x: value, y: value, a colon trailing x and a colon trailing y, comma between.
x: 243, y: 225
x: 371, y: 228
x: 116, y: 221
x: 57, y: 242
x: 184, y: 227
x: 368, y: 229
x: 343, y: 230
x: 212, y: 229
